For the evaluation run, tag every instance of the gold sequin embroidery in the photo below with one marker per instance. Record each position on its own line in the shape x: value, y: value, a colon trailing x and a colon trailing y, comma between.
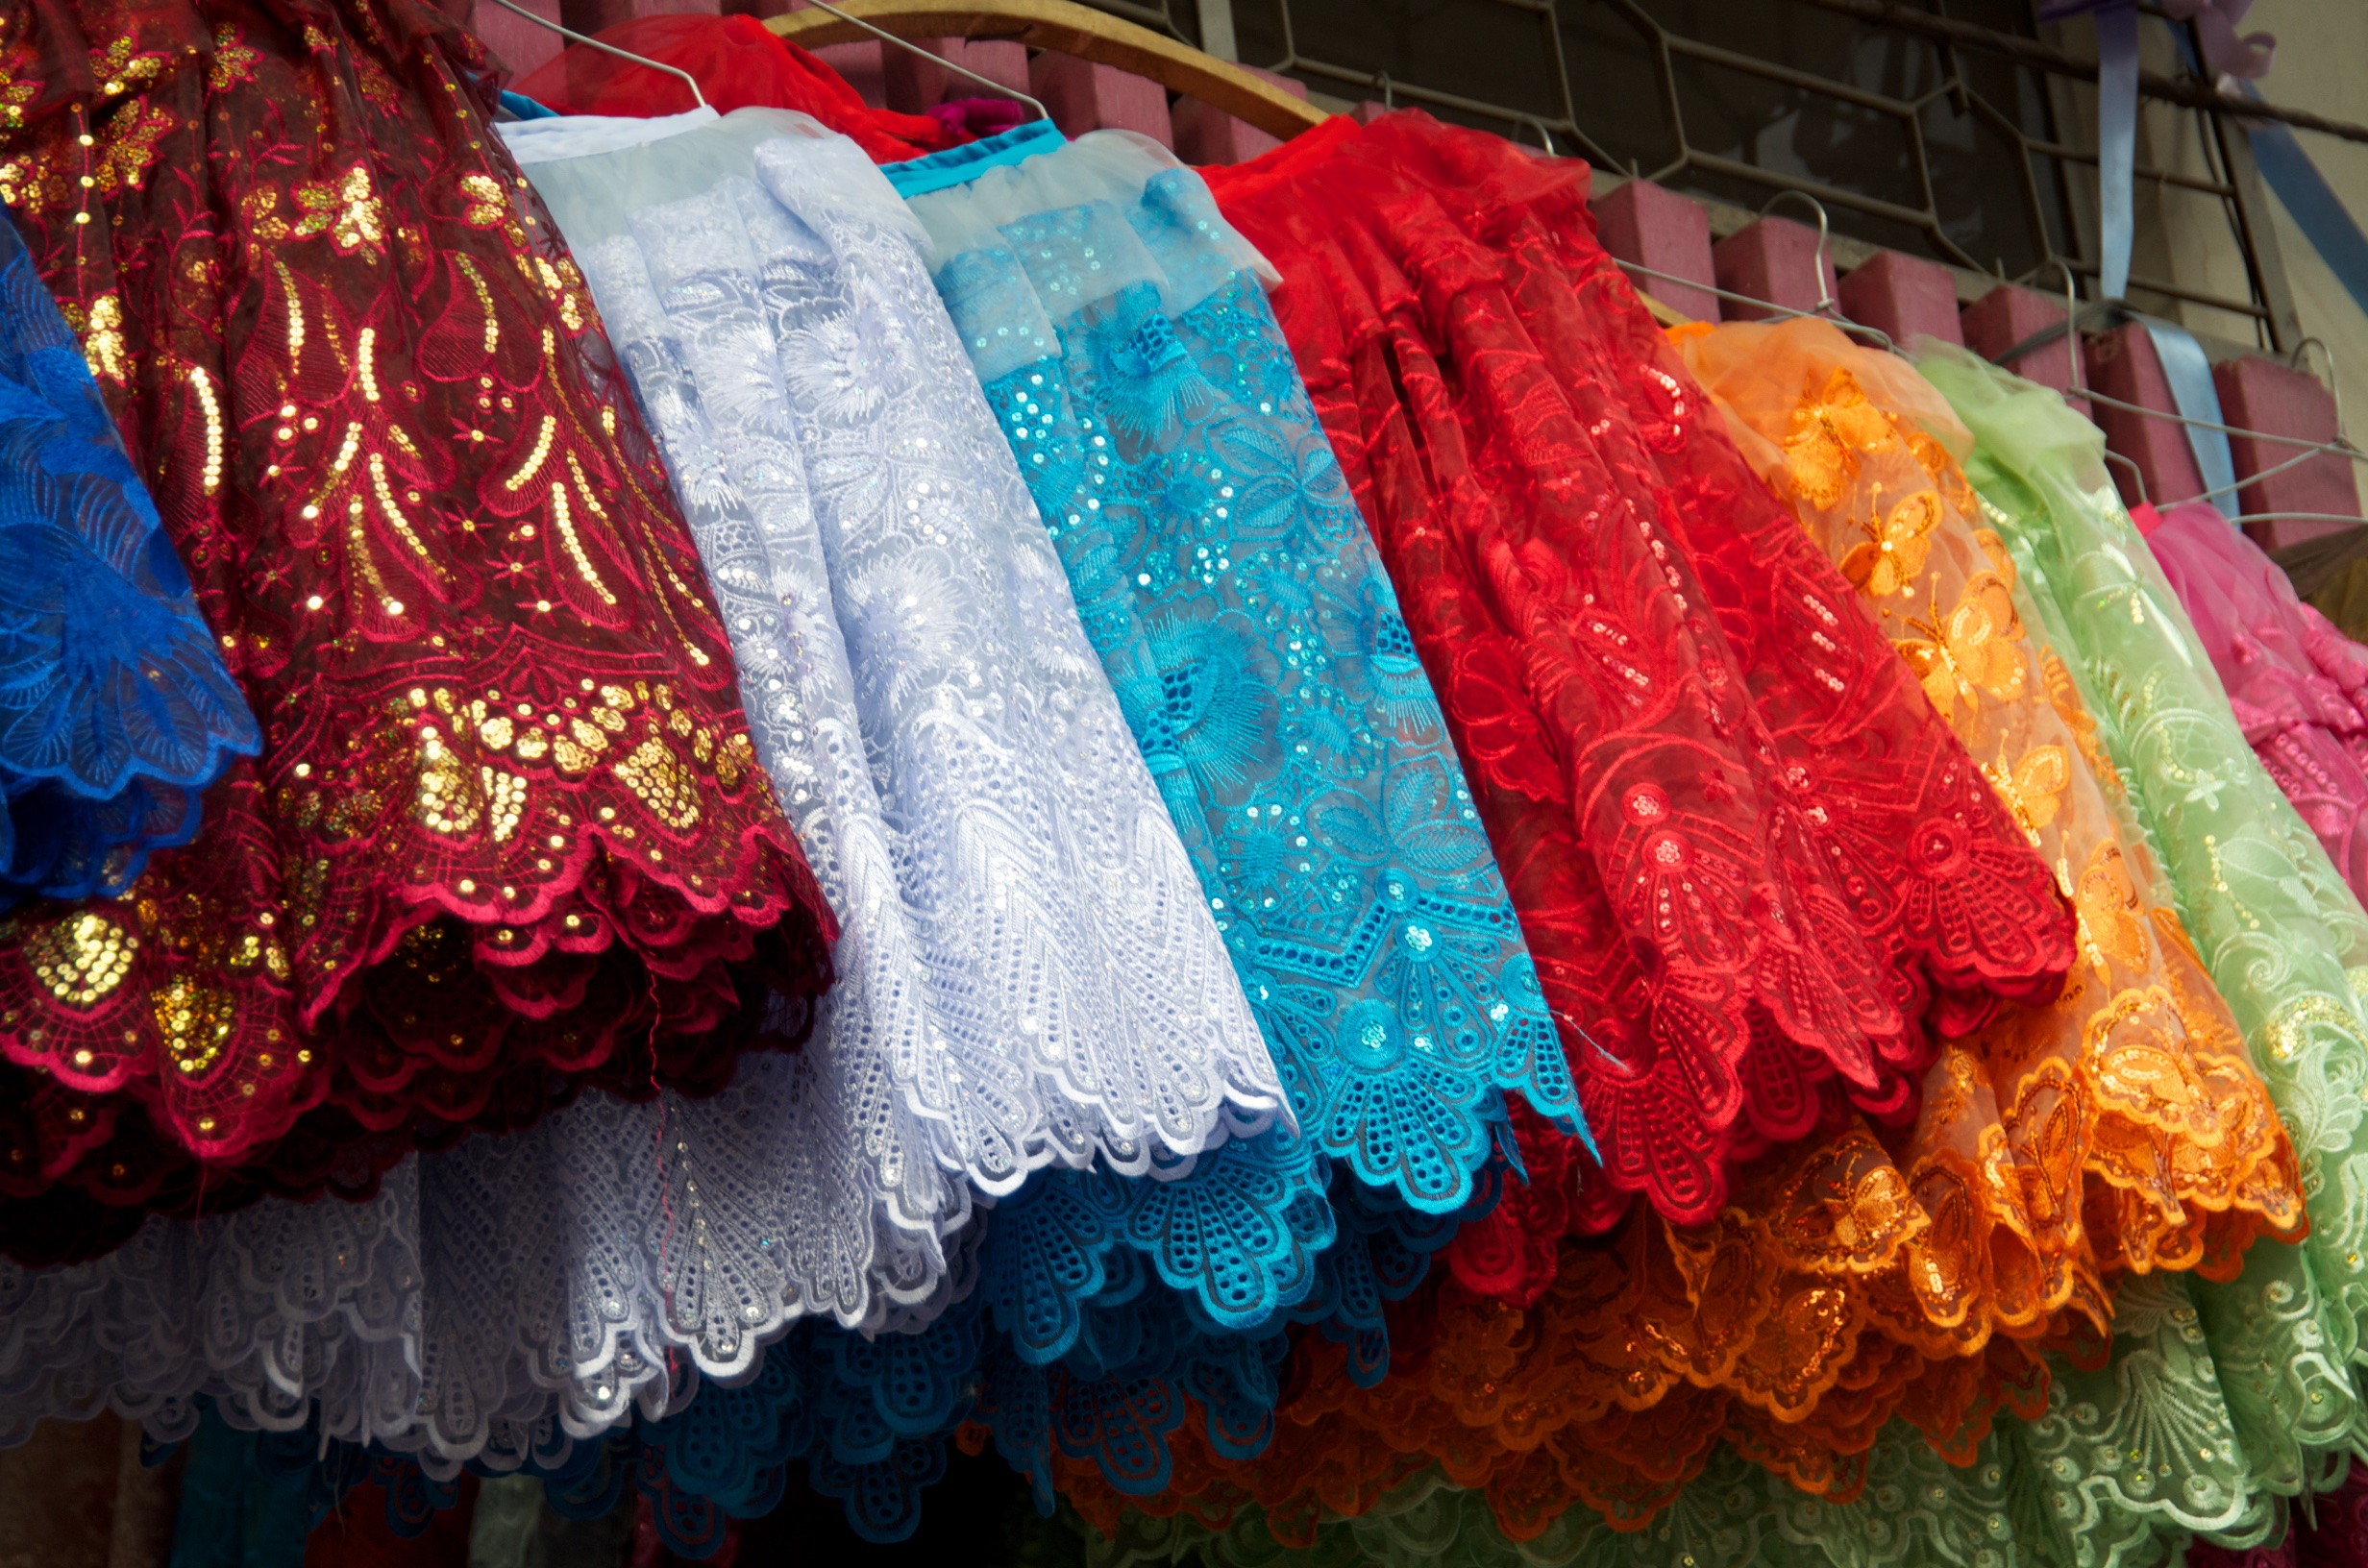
x: 128, y: 147
x: 234, y: 62
x: 485, y: 299
x: 535, y: 460
x: 657, y: 775
x: 566, y: 524
x: 203, y: 386
x: 346, y: 210
x: 446, y: 804
x: 506, y: 801
x: 401, y: 524
x: 82, y: 958
x: 487, y: 201
x: 195, y: 1019
x: 104, y: 348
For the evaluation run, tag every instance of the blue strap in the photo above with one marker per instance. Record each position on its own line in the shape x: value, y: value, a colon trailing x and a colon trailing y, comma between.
x: 2315, y: 207
x: 2116, y: 131
x: 2189, y: 374
x: 2116, y: 142
x: 2301, y: 190
x: 2316, y: 210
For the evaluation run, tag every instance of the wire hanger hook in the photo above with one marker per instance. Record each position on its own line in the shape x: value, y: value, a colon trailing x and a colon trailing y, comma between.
x: 1785, y: 313
x: 2335, y: 385
x: 912, y: 48
x: 1825, y: 230
x: 574, y: 36
x: 2137, y: 474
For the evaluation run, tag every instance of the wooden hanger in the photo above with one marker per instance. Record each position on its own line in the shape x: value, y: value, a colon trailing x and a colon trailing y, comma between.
x: 1067, y: 28
x: 1663, y: 314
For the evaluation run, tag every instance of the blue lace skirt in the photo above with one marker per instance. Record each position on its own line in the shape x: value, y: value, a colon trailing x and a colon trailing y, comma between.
x: 115, y: 710
x: 1225, y: 578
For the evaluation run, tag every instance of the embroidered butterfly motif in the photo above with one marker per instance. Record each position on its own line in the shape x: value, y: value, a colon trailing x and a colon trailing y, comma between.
x: 1848, y: 1211
x: 2035, y: 1167
x: 2108, y: 909
x: 1895, y: 546
x: 1975, y: 647
x: 1836, y: 424
x: 2031, y: 786
x: 1934, y: 460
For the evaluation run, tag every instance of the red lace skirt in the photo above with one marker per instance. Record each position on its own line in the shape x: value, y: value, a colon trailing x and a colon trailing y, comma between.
x: 507, y: 834
x: 1759, y: 877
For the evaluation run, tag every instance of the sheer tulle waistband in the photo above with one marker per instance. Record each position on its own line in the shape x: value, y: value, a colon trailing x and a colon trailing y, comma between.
x: 1079, y: 224
x: 593, y: 172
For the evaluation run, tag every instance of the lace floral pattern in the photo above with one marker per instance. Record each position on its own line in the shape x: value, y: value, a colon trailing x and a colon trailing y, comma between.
x: 2156, y: 1398
x: 1102, y: 1305
x: 2216, y: 1400
x: 2335, y: 1535
x: 619, y: 1258
x: 1748, y: 861
x: 1258, y: 651
x: 1517, y: 1251
x: 118, y: 712
x: 259, y: 1311
x: 2029, y: 1495
x: 507, y: 827
x: 562, y: 1276
x: 2128, y: 1099
x: 1917, y: 1511
x: 1029, y: 966
x: 1257, y: 648
x: 2278, y: 931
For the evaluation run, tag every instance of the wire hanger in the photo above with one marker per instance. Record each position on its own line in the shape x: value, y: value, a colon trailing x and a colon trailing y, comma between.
x: 1825, y: 296
x: 939, y: 61
x: 2068, y: 331
x: 2072, y: 356
x: 1828, y: 310
x: 2334, y: 387
x: 690, y: 81
x: 2338, y: 448
x: 2071, y: 343
x: 1843, y: 323
x: 574, y: 36
x: 1061, y: 27
x: 2137, y: 474
x: 2297, y: 516
x: 2137, y: 477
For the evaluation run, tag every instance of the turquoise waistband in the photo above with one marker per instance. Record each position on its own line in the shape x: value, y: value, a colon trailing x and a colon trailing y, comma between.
x: 958, y: 165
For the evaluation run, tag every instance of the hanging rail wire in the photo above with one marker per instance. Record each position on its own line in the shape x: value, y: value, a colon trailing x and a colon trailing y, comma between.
x: 1863, y: 140
x: 2340, y: 446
